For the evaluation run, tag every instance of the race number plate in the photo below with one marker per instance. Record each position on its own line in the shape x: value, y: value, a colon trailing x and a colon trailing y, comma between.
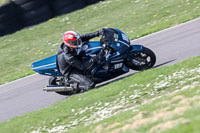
x: 117, y: 66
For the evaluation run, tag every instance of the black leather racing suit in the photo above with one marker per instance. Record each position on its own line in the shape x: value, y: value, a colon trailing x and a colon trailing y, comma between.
x: 71, y: 66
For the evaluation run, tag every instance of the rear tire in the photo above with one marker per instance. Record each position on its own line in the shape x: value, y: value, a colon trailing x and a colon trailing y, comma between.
x: 146, y: 59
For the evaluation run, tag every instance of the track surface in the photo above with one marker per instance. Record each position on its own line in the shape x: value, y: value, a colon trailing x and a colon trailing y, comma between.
x: 171, y: 45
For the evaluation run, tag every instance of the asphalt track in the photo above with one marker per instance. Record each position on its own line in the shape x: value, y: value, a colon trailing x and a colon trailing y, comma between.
x: 171, y: 45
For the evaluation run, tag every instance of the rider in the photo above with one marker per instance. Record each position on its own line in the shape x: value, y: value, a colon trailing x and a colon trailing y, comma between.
x: 70, y: 65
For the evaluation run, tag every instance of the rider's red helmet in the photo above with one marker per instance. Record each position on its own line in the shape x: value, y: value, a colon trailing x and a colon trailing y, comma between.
x: 72, y: 39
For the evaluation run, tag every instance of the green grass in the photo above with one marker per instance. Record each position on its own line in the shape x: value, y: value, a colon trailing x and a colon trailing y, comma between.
x: 3, y: 2
x: 162, y: 99
x: 136, y: 18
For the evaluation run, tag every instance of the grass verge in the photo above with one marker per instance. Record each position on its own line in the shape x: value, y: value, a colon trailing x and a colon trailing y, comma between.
x: 135, y: 17
x: 164, y: 99
x: 3, y: 2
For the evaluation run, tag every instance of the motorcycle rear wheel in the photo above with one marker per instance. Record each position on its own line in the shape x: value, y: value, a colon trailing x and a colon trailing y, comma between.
x: 142, y: 60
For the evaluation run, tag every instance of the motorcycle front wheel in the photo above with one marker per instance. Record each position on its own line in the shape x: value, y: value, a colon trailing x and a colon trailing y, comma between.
x: 142, y: 60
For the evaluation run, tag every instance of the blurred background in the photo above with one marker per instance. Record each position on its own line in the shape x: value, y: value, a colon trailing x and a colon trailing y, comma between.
x: 17, y: 14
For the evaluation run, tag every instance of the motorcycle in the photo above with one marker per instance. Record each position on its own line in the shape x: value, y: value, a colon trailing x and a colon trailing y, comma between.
x: 116, y: 57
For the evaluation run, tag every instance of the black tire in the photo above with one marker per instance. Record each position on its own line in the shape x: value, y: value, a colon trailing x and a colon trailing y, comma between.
x: 7, y: 11
x: 9, y: 19
x: 7, y: 7
x: 52, y: 81
x: 9, y: 26
x: 5, y: 25
x: 38, y: 20
x: 70, y: 8
x: 20, y: 2
x: 58, y: 4
x: 3, y: 17
x: 89, y: 2
x: 8, y: 31
x: 37, y: 16
x: 31, y: 5
x: 147, y: 57
x: 36, y: 13
x: 4, y: 29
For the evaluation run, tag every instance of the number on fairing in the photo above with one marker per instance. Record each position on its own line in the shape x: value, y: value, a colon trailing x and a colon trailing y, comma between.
x: 117, y: 66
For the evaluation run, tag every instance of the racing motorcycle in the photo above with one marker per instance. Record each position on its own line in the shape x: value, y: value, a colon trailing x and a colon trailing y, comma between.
x: 116, y: 57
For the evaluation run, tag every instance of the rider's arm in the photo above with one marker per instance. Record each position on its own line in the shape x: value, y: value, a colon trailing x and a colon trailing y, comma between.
x: 89, y: 36
x: 73, y: 61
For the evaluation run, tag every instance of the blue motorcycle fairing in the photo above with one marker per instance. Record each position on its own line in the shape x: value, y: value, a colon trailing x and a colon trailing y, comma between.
x: 90, y: 48
x: 136, y: 48
x: 47, y: 66
x: 122, y: 42
x: 122, y: 37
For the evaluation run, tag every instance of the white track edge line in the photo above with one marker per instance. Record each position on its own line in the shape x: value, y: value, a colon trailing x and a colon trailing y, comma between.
x: 18, y: 80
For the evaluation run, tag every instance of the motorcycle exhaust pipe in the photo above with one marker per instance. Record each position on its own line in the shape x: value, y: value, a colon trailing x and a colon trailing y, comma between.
x: 57, y: 89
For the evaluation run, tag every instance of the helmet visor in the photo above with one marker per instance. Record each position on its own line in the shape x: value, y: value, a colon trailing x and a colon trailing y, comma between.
x: 75, y: 43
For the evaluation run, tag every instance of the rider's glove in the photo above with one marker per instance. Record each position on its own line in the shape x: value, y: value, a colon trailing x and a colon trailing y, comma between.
x: 99, y: 56
x: 99, y: 32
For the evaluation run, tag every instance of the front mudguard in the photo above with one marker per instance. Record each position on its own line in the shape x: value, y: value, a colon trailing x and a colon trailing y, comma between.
x: 135, y: 48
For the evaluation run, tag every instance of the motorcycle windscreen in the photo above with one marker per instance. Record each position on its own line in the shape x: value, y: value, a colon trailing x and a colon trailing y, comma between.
x: 47, y: 66
x: 117, y: 40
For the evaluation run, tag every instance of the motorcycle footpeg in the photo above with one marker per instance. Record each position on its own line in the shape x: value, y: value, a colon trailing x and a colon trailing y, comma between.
x: 74, y: 86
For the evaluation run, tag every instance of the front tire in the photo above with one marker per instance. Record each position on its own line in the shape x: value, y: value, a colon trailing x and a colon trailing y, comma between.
x: 142, y: 60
